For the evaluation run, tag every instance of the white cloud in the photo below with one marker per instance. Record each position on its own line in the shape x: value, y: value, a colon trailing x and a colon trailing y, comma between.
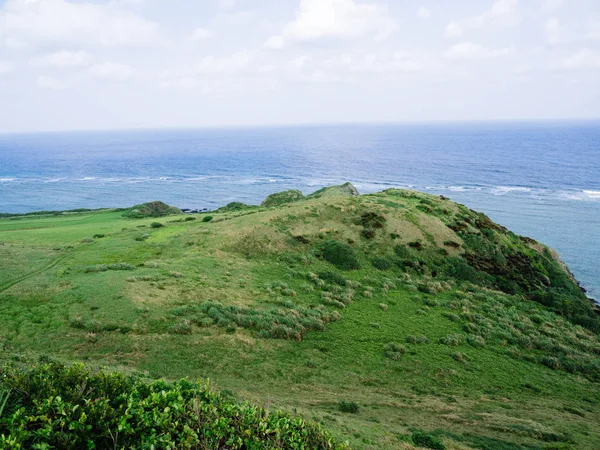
x: 454, y: 29
x: 469, y: 51
x: 584, y: 59
x: 63, y: 58
x: 275, y: 43
x: 317, y: 19
x: 228, y: 65
x: 111, y: 71
x: 299, y: 62
x: 501, y: 14
x: 47, y: 82
x: 61, y: 21
x: 14, y: 44
x: 424, y: 13
x: 226, y: 4
x: 552, y: 27
x: 552, y: 4
x: 6, y: 67
x: 200, y: 34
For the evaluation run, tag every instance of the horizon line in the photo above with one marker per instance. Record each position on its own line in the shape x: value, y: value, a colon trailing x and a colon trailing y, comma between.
x: 309, y: 124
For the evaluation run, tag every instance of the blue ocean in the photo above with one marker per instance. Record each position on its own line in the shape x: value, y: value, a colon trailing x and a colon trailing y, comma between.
x: 539, y: 179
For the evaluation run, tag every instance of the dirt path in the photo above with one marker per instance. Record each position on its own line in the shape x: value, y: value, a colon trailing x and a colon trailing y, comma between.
x: 11, y: 283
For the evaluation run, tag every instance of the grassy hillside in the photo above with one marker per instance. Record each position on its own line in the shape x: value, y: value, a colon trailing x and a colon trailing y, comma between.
x: 380, y: 316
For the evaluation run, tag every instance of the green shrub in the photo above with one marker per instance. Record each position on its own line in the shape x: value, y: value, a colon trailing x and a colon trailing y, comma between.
x: 143, y: 237
x: 121, y: 266
x: 348, y: 407
x: 190, y: 219
x: 417, y: 245
x: 402, y: 251
x: 340, y: 255
x: 156, y: 225
x: 98, y: 236
x: 417, y: 339
x: 332, y: 277
x: 427, y: 441
x: 452, y: 244
x: 476, y: 341
x: 96, y: 268
x: 393, y: 350
x: 460, y: 269
x: 453, y: 340
x: 207, y: 218
x: 52, y: 406
x: 381, y: 264
x: 152, y: 209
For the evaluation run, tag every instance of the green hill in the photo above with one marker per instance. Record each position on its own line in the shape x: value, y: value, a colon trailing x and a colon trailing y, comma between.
x: 282, y: 198
x: 346, y: 189
x: 396, y: 320
x: 151, y: 209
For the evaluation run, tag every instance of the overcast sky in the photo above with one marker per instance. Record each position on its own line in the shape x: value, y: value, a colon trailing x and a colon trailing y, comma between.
x: 187, y: 63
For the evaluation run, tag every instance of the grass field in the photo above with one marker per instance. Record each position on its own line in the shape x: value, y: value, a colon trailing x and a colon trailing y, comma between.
x: 422, y: 313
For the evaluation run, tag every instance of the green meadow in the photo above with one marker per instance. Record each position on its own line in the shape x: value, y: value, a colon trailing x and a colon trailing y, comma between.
x: 395, y: 320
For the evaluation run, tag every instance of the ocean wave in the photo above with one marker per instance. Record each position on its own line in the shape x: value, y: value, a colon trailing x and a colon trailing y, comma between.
x: 583, y: 195
x: 503, y: 190
x: 7, y: 180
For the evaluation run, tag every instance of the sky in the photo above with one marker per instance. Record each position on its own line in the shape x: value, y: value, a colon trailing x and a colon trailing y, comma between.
x: 117, y: 64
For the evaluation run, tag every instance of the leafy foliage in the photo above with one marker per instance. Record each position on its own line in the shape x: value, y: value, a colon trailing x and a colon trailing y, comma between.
x: 60, y: 407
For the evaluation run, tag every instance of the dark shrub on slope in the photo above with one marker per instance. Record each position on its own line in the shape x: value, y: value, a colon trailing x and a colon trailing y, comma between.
x: 340, y: 255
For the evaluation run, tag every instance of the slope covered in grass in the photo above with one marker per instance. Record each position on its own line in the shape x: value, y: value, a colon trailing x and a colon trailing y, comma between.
x: 380, y: 316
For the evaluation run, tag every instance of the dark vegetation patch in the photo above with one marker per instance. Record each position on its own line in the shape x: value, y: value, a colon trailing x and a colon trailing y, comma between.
x: 381, y: 263
x: 105, y: 267
x: 340, y: 255
x: 371, y: 222
x: 235, y: 206
x: 348, y: 407
x: 152, y: 209
x: 60, y: 407
x: 426, y: 440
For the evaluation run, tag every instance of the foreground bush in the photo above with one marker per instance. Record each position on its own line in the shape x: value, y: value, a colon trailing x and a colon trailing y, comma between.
x: 66, y: 407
